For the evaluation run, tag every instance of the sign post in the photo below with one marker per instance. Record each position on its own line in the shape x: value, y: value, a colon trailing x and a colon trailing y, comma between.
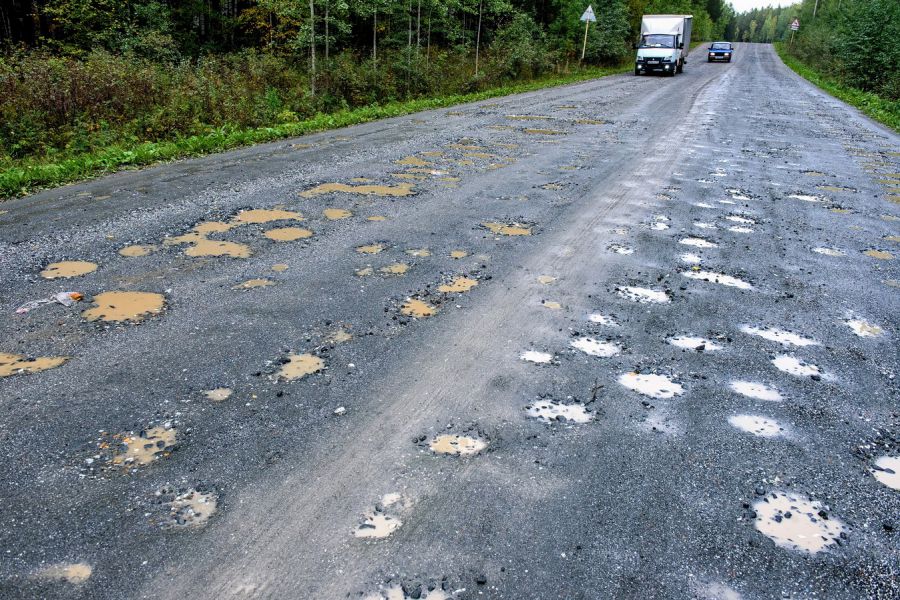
x: 795, y: 26
x: 588, y: 17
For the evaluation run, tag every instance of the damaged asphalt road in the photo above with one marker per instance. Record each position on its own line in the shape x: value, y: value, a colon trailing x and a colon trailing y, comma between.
x: 635, y: 337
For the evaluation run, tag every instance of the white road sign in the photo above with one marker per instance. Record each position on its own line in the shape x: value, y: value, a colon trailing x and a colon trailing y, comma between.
x: 794, y: 26
x: 588, y: 16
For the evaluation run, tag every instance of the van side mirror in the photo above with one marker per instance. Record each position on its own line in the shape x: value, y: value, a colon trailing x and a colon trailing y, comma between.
x: 634, y: 46
x: 681, y: 45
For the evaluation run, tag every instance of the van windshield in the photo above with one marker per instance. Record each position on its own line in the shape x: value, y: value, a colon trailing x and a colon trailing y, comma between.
x: 657, y: 40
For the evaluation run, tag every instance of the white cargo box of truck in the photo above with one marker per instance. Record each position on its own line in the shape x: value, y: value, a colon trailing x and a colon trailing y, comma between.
x: 664, y: 44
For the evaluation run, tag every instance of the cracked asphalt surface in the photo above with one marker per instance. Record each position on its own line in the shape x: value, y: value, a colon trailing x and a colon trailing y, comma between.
x: 727, y: 240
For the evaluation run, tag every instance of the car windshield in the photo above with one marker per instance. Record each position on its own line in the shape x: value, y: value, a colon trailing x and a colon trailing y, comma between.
x: 658, y: 41
x: 721, y: 46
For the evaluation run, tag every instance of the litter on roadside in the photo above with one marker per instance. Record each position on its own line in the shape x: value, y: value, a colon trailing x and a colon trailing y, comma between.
x: 64, y: 298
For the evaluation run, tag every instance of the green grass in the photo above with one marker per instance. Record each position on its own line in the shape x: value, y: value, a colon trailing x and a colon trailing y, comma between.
x: 30, y: 175
x: 879, y: 108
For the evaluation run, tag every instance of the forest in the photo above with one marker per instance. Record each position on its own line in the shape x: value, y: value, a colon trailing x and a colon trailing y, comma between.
x: 77, y: 76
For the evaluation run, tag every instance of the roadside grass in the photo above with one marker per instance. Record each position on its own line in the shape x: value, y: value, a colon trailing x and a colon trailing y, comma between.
x: 30, y: 175
x: 879, y: 108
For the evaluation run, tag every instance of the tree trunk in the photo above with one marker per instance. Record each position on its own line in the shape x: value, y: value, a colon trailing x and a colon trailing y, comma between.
x: 419, y: 26
x: 478, y: 36
x: 375, y: 38
x: 312, y: 47
x: 327, y: 2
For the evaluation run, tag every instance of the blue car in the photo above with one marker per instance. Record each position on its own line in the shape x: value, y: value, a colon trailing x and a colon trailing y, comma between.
x: 720, y: 51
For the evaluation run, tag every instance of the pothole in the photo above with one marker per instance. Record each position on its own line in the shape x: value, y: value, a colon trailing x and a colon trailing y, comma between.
x: 863, y: 328
x: 74, y: 573
x: 458, y: 285
x: 646, y: 295
x: 264, y: 215
x: 124, y: 306
x: 336, y: 214
x: 189, y: 510
x: 594, y: 347
x: 382, y: 521
x: 697, y: 242
x: 550, y: 411
x: 16, y: 364
x: 419, y: 252
x: 394, y: 269
x: 546, y: 279
x: 620, y: 249
x: 253, y: 284
x: 288, y: 234
x: 797, y: 523
x: 740, y: 229
x: 829, y: 251
x: 796, y: 367
x: 141, y: 449
x: 702, y: 225
x: 300, y: 365
x: 604, y: 320
x: 699, y: 344
x: 457, y: 445
x: 651, y: 384
x: 691, y: 259
x: 806, y: 198
x: 739, y: 219
x: 879, y: 254
x: 773, y: 334
x: 218, y: 394
x: 412, y: 161
x: 535, y: 356
x: 887, y: 471
x: 280, y: 267
x: 457, y: 254
x: 371, y: 248
x: 757, y: 425
x: 551, y: 304
x: 137, y: 250
x: 68, y: 268
x: 509, y: 229
x: 413, y: 307
x: 757, y: 391
x: 395, y: 592
x: 401, y: 189
x: 720, y: 278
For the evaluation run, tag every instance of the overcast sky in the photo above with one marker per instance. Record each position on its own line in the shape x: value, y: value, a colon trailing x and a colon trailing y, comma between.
x: 745, y: 5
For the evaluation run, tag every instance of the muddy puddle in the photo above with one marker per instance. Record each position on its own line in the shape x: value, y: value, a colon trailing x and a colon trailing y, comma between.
x: 879, y: 254
x: 691, y: 259
x: 137, y: 250
x: 697, y: 344
x: 371, y: 248
x: 697, y: 242
x: 145, y: 447
x: 537, y: 357
x: 377, y: 218
x: 67, y: 269
x: 797, y: 523
x: 383, y: 520
x: 510, y: 229
x: 457, y: 254
x: 757, y: 391
x: 401, y: 189
x: 595, y: 347
x: 394, y: 269
x: 773, y: 334
x: 412, y: 161
x: 757, y: 425
x: 288, y: 234
x: 253, y: 284
x: 604, y: 320
x: 796, y: 367
x: 720, y: 278
x: 336, y: 214
x: 551, y: 304
x: 258, y: 216
x: 300, y: 365
x: 651, y: 384
x: 280, y: 267
x: 834, y: 252
x: 16, y: 364
x: 550, y: 411
x: 863, y: 328
x: 364, y: 272
x: 74, y: 573
x: 457, y: 445
x: 458, y: 285
x: 218, y: 394
x: 118, y: 307
x: 646, y: 295
x: 218, y: 248
x: 339, y: 336
x: 190, y: 510
x: 887, y: 471
x: 545, y: 279
x: 418, y: 252
x: 537, y: 131
x: 413, y: 307
x: 740, y: 229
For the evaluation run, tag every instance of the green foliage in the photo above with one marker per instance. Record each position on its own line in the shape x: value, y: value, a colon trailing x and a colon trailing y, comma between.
x: 879, y: 108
